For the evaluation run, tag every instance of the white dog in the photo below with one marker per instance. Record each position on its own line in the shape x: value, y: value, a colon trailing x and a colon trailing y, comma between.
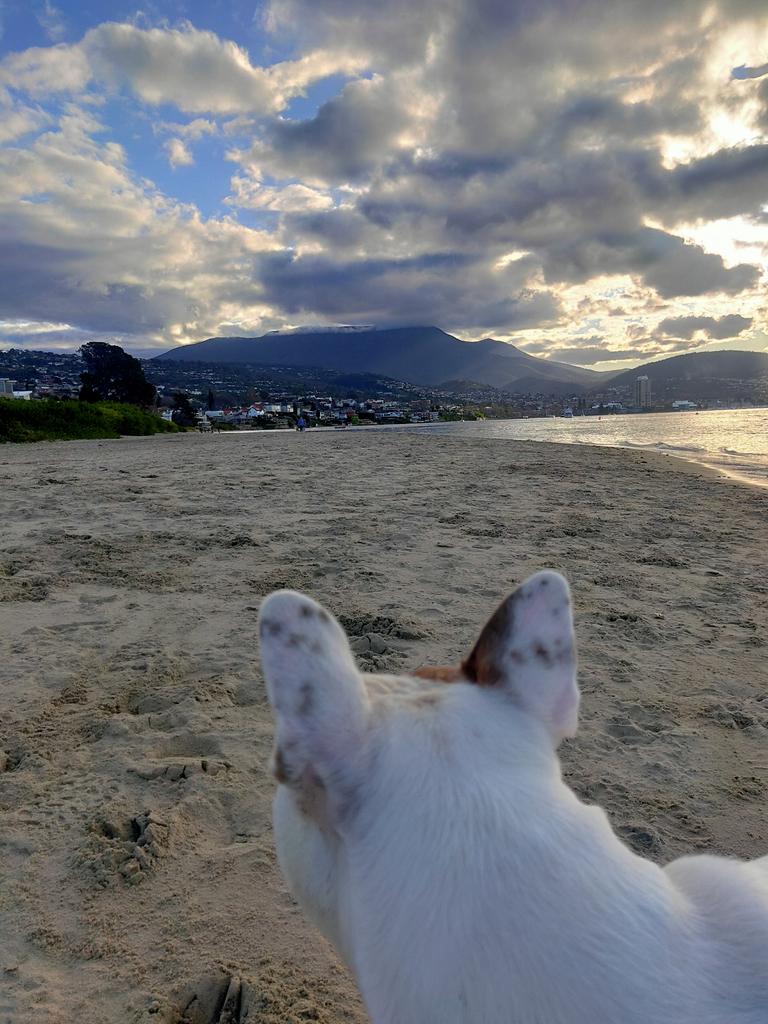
x: 423, y: 825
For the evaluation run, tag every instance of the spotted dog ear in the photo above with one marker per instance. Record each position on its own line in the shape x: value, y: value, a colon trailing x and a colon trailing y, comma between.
x: 528, y: 649
x: 314, y: 688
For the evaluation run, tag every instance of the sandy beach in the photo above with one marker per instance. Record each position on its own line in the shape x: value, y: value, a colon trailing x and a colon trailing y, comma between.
x: 138, y: 879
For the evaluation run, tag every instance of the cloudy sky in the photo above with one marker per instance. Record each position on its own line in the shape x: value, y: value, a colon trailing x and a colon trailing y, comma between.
x: 585, y: 178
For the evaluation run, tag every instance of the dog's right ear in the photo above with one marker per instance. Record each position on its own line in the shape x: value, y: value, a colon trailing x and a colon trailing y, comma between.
x: 527, y: 649
x: 314, y: 687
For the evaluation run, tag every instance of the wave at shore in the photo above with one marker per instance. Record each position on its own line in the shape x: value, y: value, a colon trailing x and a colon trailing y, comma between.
x: 751, y: 467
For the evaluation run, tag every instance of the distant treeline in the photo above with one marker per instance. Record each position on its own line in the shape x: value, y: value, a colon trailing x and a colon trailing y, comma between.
x: 52, y: 420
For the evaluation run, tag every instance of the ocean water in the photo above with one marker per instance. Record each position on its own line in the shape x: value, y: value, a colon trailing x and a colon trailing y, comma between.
x: 732, y: 441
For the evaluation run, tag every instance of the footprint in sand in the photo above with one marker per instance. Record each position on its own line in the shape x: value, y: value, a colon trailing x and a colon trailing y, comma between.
x: 178, y: 769
x: 277, y: 993
x: 641, y: 724
x: 126, y: 846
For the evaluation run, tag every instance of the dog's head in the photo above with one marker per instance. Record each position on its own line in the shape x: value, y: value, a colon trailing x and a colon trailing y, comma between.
x: 378, y: 772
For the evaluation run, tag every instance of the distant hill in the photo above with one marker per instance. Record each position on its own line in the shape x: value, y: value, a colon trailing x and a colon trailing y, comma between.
x: 722, y: 375
x: 421, y: 355
x: 235, y: 383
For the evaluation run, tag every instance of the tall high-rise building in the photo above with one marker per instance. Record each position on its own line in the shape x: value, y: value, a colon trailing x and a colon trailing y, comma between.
x: 6, y: 386
x: 642, y: 393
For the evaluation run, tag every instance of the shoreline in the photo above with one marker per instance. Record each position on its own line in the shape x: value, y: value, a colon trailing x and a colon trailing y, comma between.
x: 697, y: 459
x: 693, y: 459
x: 723, y: 463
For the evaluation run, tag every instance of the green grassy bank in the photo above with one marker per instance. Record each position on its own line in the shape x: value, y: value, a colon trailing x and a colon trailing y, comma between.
x: 52, y: 420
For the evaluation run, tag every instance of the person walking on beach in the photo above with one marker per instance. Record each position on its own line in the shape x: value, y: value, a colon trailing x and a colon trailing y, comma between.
x: 301, y: 424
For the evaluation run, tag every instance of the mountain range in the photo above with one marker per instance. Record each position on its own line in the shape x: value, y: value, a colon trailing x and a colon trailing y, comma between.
x: 428, y: 356
x: 421, y: 355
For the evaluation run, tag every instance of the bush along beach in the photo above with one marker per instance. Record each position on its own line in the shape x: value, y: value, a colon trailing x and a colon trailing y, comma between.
x: 54, y: 420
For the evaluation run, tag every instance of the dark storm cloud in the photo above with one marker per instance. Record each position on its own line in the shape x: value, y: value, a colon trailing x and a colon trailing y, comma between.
x: 582, y: 216
x: 688, y: 270
x: 729, y: 326
x: 727, y: 183
x: 605, y: 116
x: 343, y: 142
x: 532, y: 198
x: 448, y: 289
x: 39, y: 282
x: 339, y: 229
x: 528, y: 199
x: 662, y: 261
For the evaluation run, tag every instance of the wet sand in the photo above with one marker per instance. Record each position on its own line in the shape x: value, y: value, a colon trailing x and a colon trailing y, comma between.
x: 138, y: 879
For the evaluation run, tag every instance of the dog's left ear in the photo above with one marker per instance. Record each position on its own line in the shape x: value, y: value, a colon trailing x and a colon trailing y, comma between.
x: 528, y: 649
x: 314, y: 687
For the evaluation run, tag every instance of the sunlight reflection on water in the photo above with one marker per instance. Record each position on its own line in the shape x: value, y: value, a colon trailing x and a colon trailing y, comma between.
x: 734, y: 441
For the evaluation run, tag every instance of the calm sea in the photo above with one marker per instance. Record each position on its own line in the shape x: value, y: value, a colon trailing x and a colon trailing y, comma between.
x: 734, y: 441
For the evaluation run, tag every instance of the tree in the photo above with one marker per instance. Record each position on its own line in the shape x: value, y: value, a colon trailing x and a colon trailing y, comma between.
x: 183, y: 411
x: 211, y: 403
x: 111, y: 375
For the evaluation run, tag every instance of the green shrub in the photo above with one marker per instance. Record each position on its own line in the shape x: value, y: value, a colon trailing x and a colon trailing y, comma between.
x: 48, y: 419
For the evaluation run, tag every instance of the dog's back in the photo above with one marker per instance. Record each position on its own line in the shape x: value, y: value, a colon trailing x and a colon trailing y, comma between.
x: 730, y: 901
x: 424, y: 826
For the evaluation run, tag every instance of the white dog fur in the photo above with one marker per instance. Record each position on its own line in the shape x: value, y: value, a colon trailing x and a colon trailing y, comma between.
x: 423, y: 825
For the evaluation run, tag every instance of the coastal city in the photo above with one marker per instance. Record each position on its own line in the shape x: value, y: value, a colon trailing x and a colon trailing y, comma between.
x: 230, y: 397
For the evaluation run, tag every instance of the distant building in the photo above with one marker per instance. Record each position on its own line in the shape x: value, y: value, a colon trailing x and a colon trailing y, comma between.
x: 684, y: 404
x: 6, y: 386
x: 642, y: 392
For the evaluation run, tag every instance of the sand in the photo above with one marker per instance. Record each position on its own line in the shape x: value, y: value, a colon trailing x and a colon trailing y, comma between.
x: 139, y: 882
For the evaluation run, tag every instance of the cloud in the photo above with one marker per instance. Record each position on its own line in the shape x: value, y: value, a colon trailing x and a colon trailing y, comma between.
x: 19, y: 119
x: 566, y: 172
x: 191, y: 131
x: 588, y: 350
x: 589, y: 354
x: 192, y: 69
x: 398, y: 31
x: 51, y: 20
x: 723, y: 184
x: 683, y: 269
x: 178, y: 154
x: 36, y: 334
x: 662, y: 261
x: 343, y: 142
x: 84, y: 243
x: 41, y: 71
x: 729, y: 326
x: 452, y: 290
x: 254, y: 195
